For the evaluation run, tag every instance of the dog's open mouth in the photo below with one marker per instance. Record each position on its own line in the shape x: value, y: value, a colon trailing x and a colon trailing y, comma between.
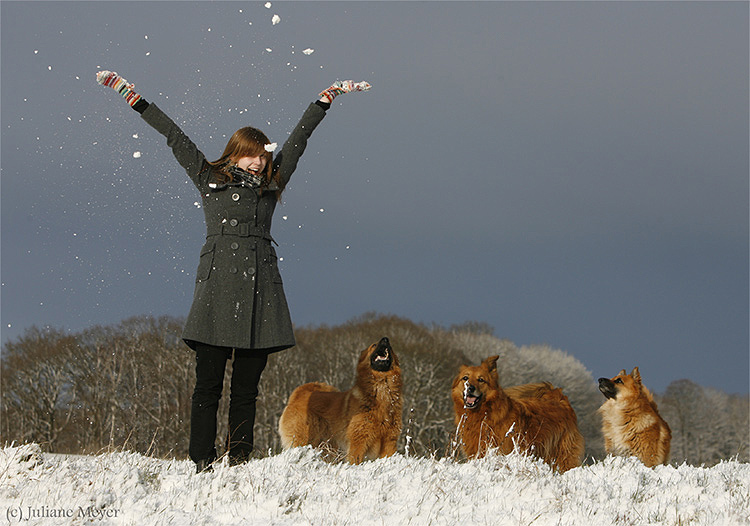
x: 382, y: 356
x: 471, y: 396
x: 471, y: 401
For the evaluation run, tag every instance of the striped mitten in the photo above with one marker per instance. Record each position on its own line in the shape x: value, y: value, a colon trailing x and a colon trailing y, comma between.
x: 119, y: 84
x: 343, y: 86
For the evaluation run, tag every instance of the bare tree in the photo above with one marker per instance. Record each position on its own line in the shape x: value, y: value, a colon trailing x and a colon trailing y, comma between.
x: 684, y: 407
x: 707, y: 425
x: 738, y: 416
x: 37, y: 395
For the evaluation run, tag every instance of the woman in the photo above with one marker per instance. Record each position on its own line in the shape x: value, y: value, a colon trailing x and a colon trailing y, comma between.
x: 239, y: 308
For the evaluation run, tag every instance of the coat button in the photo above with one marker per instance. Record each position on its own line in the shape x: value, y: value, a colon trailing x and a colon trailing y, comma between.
x: 251, y: 271
x: 233, y: 222
x: 235, y: 197
x: 233, y: 270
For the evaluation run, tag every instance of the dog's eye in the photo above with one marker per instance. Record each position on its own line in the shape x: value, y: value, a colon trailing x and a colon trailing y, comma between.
x: 465, y: 378
x: 618, y: 381
x: 481, y: 380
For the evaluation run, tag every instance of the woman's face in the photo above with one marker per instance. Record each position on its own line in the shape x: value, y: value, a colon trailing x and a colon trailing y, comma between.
x: 251, y: 164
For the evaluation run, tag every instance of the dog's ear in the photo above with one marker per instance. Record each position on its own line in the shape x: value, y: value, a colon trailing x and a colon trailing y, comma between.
x: 491, y: 364
x: 636, y: 374
x: 622, y: 373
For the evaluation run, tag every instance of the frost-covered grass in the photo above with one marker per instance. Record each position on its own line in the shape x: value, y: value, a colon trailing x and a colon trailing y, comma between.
x: 299, y: 487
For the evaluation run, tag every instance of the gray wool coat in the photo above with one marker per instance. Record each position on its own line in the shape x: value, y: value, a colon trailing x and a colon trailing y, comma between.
x: 239, y: 297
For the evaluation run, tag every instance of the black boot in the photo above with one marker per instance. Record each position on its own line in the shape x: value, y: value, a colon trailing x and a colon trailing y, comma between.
x: 237, y: 458
x: 204, y: 466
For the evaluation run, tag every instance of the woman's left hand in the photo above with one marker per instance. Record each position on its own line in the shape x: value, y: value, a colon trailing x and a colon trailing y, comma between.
x: 342, y: 86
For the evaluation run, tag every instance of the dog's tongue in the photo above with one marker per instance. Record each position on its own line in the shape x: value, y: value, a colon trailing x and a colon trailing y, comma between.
x: 471, y: 400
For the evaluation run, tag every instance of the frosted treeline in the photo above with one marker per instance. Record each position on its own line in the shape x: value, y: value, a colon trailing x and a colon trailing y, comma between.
x: 128, y: 386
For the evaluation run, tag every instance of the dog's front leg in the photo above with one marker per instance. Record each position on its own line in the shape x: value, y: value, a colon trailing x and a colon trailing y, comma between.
x: 388, y: 447
x: 358, y: 436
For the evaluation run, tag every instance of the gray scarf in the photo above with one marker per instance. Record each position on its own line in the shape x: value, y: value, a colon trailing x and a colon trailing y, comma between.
x: 240, y: 177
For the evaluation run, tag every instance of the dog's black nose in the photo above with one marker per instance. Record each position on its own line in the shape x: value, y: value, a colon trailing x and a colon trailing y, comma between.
x: 384, y: 341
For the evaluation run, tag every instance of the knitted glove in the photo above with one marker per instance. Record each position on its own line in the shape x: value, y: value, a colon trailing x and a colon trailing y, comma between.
x: 345, y: 86
x: 119, y: 84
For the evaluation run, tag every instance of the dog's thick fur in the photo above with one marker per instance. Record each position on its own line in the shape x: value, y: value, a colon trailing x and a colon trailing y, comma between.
x: 631, y: 423
x: 364, y: 422
x: 537, y: 418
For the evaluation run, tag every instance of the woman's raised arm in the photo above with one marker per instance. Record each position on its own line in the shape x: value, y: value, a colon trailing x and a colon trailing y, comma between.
x: 286, y: 161
x: 184, y: 150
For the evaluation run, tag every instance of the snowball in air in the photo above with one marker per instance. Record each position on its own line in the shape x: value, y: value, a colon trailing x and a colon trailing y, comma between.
x: 276, y: 19
x: 270, y: 147
x: 136, y: 155
x: 309, y: 51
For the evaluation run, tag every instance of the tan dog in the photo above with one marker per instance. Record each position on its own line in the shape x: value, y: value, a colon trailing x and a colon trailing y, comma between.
x: 537, y: 418
x: 364, y: 422
x: 631, y: 423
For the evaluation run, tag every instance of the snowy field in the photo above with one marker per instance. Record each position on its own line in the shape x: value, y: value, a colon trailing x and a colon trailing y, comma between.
x: 298, y: 487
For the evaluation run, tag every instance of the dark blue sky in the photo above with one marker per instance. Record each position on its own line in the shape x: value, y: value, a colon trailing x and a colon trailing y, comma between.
x: 574, y: 174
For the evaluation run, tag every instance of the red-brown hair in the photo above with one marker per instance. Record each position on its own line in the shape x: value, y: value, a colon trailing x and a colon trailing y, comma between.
x: 245, y: 142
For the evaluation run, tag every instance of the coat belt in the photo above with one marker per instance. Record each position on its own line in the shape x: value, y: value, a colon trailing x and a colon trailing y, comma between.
x: 240, y: 229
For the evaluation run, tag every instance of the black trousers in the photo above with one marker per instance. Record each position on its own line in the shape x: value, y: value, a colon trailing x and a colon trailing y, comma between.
x: 210, y: 362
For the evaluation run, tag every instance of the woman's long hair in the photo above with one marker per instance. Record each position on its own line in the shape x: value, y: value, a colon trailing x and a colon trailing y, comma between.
x: 245, y: 142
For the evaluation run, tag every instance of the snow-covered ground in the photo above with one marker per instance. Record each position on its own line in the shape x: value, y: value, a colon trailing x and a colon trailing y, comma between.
x: 298, y: 487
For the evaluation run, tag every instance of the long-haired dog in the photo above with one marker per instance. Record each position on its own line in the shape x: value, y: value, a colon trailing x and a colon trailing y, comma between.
x: 364, y: 422
x: 535, y: 418
x: 631, y: 423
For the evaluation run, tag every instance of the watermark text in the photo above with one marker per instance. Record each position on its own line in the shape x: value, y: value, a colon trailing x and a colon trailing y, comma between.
x: 32, y: 513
